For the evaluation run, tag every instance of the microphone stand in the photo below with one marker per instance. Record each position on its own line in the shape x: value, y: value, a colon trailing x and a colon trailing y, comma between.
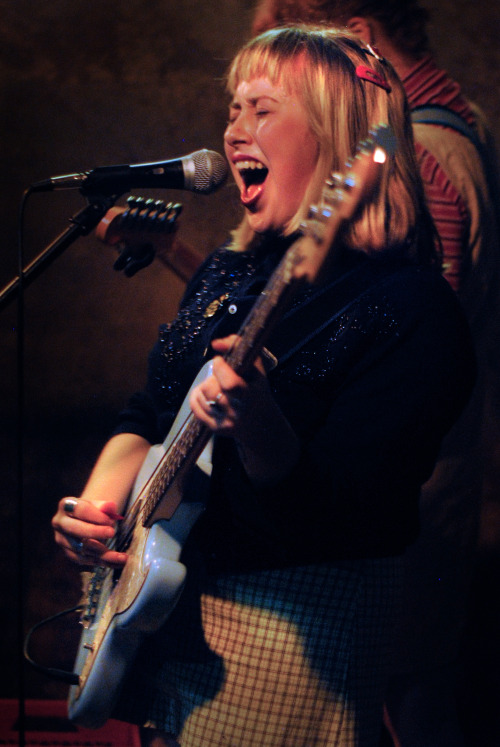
x: 82, y: 223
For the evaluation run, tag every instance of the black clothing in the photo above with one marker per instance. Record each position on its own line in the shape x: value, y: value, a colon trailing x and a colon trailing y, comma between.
x: 370, y: 395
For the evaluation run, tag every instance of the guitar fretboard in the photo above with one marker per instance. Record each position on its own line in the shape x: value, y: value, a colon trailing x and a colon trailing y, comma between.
x: 193, y: 436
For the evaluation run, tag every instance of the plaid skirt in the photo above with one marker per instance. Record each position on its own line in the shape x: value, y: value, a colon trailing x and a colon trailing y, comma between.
x: 292, y: 657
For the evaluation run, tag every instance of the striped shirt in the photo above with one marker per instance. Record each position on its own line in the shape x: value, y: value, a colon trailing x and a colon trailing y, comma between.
x: 427, y: 85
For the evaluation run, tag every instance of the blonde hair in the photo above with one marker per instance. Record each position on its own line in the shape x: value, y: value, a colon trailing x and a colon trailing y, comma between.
x: 318, y: 65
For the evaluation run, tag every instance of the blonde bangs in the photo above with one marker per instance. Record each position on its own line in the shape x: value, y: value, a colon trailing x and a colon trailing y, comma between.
x: 260, y: 61
x: 319, y: 66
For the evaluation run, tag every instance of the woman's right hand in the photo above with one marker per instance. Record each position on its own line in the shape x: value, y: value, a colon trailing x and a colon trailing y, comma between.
x: 82, y: 530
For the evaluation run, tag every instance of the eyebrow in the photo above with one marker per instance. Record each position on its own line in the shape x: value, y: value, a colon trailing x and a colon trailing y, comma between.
x: 253, y: 101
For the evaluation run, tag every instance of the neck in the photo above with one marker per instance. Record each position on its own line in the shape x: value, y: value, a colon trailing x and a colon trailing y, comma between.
x: 401, y: 60
x: 402, y: 63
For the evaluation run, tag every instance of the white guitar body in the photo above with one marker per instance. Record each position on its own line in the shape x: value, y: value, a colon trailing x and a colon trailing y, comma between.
x: 122, y: 612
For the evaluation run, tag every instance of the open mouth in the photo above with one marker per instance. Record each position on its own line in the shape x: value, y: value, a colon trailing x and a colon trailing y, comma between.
x: 253, y: 174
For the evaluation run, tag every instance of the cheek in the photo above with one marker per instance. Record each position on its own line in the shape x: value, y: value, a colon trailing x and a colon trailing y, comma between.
x: 300, y: 165
x: 309, y: 153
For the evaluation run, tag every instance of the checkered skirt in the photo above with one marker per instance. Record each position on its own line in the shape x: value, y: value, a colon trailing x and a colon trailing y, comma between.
x: 292, y: 657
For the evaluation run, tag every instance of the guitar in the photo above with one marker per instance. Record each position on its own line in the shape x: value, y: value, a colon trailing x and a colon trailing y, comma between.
x: 146, y: 228
x: 122, y: 608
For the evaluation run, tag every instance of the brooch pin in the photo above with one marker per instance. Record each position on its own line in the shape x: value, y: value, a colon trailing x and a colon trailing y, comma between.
x: 214, y: 305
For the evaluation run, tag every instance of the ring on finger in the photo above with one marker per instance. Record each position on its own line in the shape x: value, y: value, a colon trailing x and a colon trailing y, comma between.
x: 215, y: 402
x: 77, y: 545
x: 69, y: 505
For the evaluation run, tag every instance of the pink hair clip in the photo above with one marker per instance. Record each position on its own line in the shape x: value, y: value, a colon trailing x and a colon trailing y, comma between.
x: 369, y: 74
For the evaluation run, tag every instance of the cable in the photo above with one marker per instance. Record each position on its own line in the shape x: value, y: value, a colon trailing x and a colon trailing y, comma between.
x: 58, y: 674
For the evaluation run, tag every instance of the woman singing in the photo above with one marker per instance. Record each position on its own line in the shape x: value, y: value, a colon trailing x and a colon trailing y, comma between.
x: 281, y: 633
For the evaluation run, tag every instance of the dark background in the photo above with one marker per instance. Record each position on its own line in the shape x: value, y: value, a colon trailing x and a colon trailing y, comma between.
x: 87, y: 83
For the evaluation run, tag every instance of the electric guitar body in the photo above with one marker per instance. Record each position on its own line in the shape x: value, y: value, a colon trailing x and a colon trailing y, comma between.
x: 122, y: 609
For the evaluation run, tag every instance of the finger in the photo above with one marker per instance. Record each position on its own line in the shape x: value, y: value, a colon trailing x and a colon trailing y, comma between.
x: 215, y: 409
x: 90, y: 552
x: 96, y: 553
x: 208, y: 411
x: 263, y: 363
x: 232, y: 385
x: 113, y: 559
x: 69, y: 505
x: 76, y: 545
x: 225, y: 344
x: 78, y: 508
x: 80, y: 550
x: 219, y: 401
x: 109, y: 508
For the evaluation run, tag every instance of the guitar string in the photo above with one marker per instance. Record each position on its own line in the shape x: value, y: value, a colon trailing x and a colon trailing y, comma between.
x: 240, y: 357
x: 157, y: 484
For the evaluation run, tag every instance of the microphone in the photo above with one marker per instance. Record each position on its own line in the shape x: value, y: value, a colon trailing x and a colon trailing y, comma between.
x: 202, y: 171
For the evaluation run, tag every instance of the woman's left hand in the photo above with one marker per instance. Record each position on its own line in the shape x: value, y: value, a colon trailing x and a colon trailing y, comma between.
x: 245, y: 409
x: 222, y: 400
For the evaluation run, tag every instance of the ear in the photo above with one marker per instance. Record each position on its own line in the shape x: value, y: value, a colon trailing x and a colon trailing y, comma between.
x: 362, y: 28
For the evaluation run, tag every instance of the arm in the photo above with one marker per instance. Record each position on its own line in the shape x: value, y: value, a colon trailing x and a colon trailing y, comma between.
x: 355, y: 486
x: 94, y: 514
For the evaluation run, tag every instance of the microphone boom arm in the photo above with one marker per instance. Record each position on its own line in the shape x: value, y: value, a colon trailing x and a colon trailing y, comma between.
x: 81, y: 224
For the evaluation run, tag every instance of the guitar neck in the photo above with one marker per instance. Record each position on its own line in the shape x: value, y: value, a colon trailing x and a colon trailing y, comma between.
x: 193, y: 435
x: 266, y: 312
x: 303, y: 261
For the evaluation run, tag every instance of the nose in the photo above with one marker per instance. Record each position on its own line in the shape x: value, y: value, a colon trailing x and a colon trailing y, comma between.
x: 237, y: 131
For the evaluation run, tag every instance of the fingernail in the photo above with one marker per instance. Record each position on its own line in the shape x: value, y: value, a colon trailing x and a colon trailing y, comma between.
x: 114, y: 516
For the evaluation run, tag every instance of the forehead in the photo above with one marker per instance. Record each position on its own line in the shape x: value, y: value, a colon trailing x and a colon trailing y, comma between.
x: 254, y: 64
x: 251, y: 90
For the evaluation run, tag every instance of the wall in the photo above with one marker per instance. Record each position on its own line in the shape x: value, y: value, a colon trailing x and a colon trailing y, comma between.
x: 91, y: 83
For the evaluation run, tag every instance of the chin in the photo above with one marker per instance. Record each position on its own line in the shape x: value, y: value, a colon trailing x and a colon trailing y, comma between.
x: 262, y: 226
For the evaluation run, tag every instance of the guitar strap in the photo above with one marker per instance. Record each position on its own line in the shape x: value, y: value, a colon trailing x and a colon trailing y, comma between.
x: 323, y: 307
x: 440, y: 115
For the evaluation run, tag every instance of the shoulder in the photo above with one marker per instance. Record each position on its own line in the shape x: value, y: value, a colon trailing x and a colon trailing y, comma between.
x: 417, y: 287
x: 431, y: 344
x: 455, y: 154
x: 422, y: 302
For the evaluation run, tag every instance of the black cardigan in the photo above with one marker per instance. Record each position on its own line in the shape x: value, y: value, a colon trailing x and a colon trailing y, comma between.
x: 370, y: 381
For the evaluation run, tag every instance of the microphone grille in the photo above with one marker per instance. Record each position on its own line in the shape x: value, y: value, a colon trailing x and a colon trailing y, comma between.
x: 210, y: 171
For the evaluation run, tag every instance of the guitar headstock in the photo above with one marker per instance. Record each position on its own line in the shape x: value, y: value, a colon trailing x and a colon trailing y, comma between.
x: 341, y: 196
x: 140, y: 216
x: 146, y: 229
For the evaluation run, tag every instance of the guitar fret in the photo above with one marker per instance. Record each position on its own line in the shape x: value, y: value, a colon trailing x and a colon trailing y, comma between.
x: 238, y: 358
x: 170, y: 466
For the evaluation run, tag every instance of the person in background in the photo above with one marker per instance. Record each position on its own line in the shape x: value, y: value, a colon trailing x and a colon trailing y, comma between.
x: 281, y: 633
x: 457, y: 161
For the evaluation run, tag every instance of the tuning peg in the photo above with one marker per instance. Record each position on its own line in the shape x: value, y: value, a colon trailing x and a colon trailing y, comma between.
x: 134, y: 207
x: 159, y: 206
x: 172, y: 212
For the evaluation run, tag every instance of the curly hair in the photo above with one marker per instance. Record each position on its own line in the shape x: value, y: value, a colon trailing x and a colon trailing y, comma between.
x: 404, y: 20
